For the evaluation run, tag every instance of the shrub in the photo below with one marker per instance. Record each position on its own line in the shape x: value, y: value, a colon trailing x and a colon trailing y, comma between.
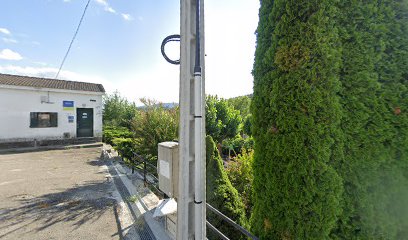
x: 247, y: 128
x: 112, y: 132
x: 154, y: 124
x: 234, y: 146
x: 221, y: 119
x: 241, y: 175
x: 117, y: 110
x: 221, y: 195
x: 124, y: 146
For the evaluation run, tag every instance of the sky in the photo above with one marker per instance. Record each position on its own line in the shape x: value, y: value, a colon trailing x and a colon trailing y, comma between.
x: 118, y: 44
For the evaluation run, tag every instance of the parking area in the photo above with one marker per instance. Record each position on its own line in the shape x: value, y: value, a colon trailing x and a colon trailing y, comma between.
x: 60, y: 194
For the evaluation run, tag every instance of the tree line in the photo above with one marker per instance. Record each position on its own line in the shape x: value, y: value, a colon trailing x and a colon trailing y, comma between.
x: 129, y: 128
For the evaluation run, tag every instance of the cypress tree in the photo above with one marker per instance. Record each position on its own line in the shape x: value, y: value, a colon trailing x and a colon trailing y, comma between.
x: 393, y: 75
x: 364, y: 126
x: 296, y: 117
x: 222, y: 195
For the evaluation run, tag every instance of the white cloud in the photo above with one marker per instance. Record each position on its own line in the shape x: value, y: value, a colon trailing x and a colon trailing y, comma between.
x: 8, y: 54
x: 127, y: 17
x: 5, y: 31
x: 106, y: 6
x: 67, y: 0
x: 102, y: 2
x: 109, y: 9
x: 9, y: 40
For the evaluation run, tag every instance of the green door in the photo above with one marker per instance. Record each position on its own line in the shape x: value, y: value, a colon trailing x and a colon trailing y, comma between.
x: 84, y: 122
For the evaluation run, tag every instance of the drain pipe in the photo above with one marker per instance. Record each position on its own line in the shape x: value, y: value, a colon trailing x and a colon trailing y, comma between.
x: 198, y: 178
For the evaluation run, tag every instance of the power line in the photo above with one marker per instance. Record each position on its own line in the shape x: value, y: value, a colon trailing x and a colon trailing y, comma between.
x: 73, y: 39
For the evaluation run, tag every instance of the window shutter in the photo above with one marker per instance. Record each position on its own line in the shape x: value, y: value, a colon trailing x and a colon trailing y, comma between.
x: 54, y: 119
x: 33, y: 119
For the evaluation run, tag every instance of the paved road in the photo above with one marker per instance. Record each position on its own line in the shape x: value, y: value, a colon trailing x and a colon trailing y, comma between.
x: 61, y: 194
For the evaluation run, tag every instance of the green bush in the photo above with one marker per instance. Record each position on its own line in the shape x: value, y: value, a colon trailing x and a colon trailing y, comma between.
x: 125, y: 147
x: 221, y: 195
x: 241, y: 175
x: 247, y: 127
x: 364, y: 126
x: 154, y: 124
x: 221, y: 119
x: 234, y: 146
x: 296, y: 117
x: 112, y: 132
x: 242, y: 104
x: 391, y: 194
x: 117, y: 110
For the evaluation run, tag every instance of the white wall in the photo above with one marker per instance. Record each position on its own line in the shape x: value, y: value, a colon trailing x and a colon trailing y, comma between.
x: 16, y: 103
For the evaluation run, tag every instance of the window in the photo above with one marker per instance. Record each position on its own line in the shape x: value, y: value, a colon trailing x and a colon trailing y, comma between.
x: 43, y: 119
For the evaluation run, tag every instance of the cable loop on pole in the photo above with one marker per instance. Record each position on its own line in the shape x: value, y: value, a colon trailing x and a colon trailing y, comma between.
x: 171, y: 38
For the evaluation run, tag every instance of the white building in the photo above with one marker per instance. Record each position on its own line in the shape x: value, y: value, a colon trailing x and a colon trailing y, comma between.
x: 41, y: 111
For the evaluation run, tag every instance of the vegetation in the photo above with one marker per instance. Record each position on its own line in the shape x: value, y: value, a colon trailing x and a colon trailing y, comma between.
x: 242, y: 104
x: 221, y: 119
x: 391, y: 195
x: 126, y: 147
x: 241, y: 176
x: 296, y: 117
x: 112, y: 132
x: 234, y: 146
x: 117, y: 110
x: 153, y: 124
x: 364, y: 126
x: 322, y: 153
x: 221, y: 194
x: 335, y: 70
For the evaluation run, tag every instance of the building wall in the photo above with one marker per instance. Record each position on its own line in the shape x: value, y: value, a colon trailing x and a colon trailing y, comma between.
x: 16, y: 103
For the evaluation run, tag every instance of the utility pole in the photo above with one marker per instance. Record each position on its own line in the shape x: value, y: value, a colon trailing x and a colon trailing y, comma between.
x: 191, y: 204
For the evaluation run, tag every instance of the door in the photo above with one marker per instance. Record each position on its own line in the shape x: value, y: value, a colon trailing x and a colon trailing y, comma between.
x: 84, y: 122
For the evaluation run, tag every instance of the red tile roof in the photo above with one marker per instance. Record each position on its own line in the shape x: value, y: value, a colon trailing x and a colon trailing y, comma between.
x: 15, y: 80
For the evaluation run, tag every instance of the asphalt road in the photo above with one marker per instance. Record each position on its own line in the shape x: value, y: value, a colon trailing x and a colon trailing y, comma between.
x: 60, y: 194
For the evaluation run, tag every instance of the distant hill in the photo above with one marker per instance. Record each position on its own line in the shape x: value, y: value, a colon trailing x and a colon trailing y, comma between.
x: 165, y: 105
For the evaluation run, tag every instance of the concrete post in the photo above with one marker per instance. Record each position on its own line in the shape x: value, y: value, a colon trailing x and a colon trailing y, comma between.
x: 185, y: 201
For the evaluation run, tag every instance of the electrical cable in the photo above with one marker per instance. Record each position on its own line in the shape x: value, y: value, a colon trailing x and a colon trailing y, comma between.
x: 73, y: 39
x: 171, y: 38
x: 197, y: 65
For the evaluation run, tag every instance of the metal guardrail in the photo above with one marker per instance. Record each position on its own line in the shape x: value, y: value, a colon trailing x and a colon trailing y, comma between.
x: 149, y: 177
x: 229, y: 221
x: 136, y: 163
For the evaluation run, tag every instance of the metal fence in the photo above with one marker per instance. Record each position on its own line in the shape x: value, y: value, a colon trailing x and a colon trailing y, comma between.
x: 149, y: 173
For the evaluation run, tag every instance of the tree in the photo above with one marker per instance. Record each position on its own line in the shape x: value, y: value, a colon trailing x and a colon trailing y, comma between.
x: 221, y: 120
x: 241, y: 175
x: 242, y: 104
x: 393, y: 75
x: 221, y: 194
x: 154, y: 124
x: 366, y: 212
x: 296, y: 117
x: 117, y: 110
x: 247, y: 128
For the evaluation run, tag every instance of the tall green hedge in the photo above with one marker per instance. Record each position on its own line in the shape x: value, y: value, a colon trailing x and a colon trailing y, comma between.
x: 364, y: 126
x: 393, y: 75
x: 222, y: 195
x: 296, y: 117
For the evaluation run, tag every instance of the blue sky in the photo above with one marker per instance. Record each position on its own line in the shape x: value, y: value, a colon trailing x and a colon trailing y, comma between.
x: 118, y: 44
